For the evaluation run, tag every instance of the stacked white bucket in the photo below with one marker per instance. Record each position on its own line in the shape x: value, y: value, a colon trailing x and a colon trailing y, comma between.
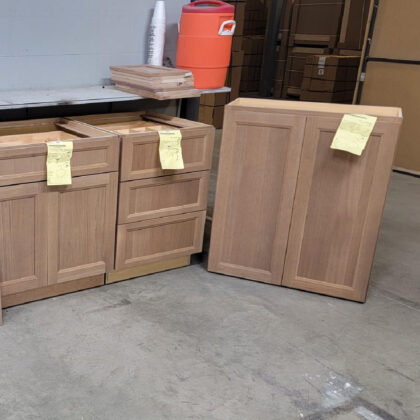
x: 157, y: 35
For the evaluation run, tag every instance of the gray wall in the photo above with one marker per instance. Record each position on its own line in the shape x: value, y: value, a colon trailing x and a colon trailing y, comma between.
x: 69, y: 43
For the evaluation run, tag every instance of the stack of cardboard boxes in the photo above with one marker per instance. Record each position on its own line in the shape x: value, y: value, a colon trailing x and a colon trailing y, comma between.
x: 329, y: 78
x: 314, y: 29
x: 212, y: 104
x: 253, y: 48
x: 256, y: 19
x: 282, y: 46
x: 318, y: 27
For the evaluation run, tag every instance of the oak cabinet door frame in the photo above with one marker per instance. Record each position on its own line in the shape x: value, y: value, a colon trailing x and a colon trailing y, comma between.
x: 143, y: 149
x: 162, y: 196
x: 81, y: 229
x: 257, y: 178
x: 337, y: 211
x: 23, y: 237
x: 159, y: 239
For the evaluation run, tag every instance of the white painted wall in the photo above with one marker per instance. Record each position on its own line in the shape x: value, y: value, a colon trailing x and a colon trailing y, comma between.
x: 69, y: 43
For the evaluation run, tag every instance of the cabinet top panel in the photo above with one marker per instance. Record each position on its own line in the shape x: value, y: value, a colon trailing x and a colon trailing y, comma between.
x: 23, y: 133
x: 136, y: 122
x: 317, y: 108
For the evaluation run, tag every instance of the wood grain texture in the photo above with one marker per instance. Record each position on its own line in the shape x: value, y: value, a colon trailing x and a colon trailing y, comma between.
x: 158, y: 239
x: 52, y: 290
x: 140, y: 142
x: 256, y: 183
x: 145, y: 269
x: 337, y: 211
x: 81, y: 228
x: 23, y: 237
x: 162, y: 196
x: 23, y: 151
x: 140, y: 153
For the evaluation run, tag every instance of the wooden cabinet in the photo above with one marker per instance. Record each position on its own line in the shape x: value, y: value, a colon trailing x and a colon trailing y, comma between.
x: 258, y: 172
x: 337, y: 211
x: 56, y: 234
x: 163, y: 196
x: 55, y: 239
x: 23, y: 237
x: 23, y: 152
x: 292, y: 211
x: 157, y: 239
x: 81, y: 228
x: 161, y: 213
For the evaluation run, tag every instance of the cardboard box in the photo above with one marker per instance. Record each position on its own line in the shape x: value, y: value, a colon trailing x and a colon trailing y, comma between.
x: 317, y: 85
x: 334, y: 60
x: 278, y: 87
x: 214, y: 99
x: 237, y: 58
x: 353, y: 24
x: 237, y: 42
x: 316, y: 22
x: 331, y: 97
x: 212, y: 115
x: 341, y: 74
x: 239, y: 18
x: 233, y: 80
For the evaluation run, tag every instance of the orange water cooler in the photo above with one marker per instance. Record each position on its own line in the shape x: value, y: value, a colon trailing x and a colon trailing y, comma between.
x: 205, y: 41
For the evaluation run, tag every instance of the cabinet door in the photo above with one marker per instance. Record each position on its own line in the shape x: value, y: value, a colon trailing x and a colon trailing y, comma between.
x: 23, y: 238
x: 82, y: 220
x: 337, y: 211
x: 257, y: 177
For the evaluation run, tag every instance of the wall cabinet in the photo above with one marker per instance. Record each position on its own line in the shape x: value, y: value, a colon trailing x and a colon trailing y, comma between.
x: 289, y: 209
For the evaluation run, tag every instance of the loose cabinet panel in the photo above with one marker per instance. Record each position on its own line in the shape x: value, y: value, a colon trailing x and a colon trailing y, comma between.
x: 337, y: 211
x: 23, y: 238
x: 81, y: 232
x: 162, y: 196
x: 158, y: 239
x: 256, y: 184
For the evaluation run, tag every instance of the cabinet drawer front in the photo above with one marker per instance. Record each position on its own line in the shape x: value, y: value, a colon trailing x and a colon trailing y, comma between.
x: 140, y: 153
x: 162, y: 196
x: 28, y: 163
x: 158, y: 239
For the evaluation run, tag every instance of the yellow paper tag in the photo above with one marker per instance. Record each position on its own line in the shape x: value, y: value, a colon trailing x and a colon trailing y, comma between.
x: 58, y: 162
x: 353, y: 133
x: 170, y: 150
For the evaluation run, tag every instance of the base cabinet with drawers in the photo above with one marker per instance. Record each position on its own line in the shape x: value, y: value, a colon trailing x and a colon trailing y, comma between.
x: 289, y: 209
x: 122, y: 216
x: 161, y: 213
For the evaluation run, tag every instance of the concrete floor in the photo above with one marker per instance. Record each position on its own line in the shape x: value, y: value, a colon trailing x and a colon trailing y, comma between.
x: 188, y: 344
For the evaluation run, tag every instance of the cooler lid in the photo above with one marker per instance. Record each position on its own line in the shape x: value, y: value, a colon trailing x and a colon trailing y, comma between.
x: 208, y: 6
